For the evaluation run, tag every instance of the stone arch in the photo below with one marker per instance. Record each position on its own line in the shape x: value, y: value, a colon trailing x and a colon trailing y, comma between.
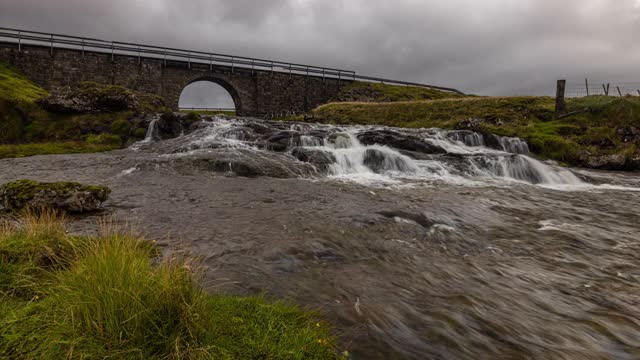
x: 237, y: 101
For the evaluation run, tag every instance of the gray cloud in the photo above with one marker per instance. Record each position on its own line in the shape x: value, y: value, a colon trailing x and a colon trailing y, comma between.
x: 493, y: 47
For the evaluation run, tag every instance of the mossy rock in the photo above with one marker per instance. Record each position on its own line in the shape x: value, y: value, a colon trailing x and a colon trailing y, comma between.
x: 66, y: 196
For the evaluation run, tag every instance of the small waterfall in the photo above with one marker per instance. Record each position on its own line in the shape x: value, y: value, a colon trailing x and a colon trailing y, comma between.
x: 522, y: 168
x: 460, y: 157
x: 354, y: 158
x: 152, y: 131
x: 468, y: 138
x: 514, y: 145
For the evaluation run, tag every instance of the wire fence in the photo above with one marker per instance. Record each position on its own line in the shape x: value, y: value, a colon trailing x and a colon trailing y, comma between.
x: 589, y: 88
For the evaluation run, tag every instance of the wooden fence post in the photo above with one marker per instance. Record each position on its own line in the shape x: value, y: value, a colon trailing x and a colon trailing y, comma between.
x: 638, y: 92
x: 560, y: 103
x: 586, y: 84
x: 619, y: 92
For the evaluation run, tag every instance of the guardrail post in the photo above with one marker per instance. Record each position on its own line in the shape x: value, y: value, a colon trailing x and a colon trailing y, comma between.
x: 307, y: 70
x: 51, y: 48
x: 210, y: 62
x: 561, y: 106
x: 322, y: 74
x: 339, y: 75
x: 272, y: 68
x: 252, y: 65
x: 139, y: 59
x: 189, y: 59
x: 289, y: 71
x: 112, y: 50
x: 83, y: 48
x: 19, y: 41
x: 165, y: 57
x: 233, y: 64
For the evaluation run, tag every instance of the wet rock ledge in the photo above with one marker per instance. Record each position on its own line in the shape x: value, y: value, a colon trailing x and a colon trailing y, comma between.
x: 64, y: 196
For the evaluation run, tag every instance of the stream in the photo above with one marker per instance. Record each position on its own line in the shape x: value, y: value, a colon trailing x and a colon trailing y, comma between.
x: 415, y: 243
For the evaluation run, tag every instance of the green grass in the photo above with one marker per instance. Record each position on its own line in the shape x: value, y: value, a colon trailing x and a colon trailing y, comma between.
x: 377, y: 92
x: 65, y: 296
x: 591, y: 131
x: 209, y: 113
x: 16, y: 87
x: 48, y: 148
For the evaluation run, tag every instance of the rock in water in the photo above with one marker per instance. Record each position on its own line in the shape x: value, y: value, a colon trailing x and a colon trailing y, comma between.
x: 321, y: 159
x: 67, y: 196
x: 398, y: 141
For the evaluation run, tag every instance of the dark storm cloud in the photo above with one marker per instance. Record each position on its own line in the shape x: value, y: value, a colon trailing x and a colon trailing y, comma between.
x: 488, y: 47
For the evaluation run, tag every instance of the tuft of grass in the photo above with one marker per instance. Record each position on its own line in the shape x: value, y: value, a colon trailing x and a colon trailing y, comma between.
x: 111, y: 298
x: 17, y: 87
x: 49, y: 148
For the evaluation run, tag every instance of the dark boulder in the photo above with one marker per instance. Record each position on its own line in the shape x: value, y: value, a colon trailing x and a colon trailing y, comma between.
x: 398, y: 141
x: 380, y: 162
x: 169, y: 126
x: 66, y: 196
x: 321, y: 159
x: 629, y: 134
x: 607, y: 162
x: 281, y: 140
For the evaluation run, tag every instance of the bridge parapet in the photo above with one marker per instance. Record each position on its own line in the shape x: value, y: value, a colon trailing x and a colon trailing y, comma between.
x: 258, y: 87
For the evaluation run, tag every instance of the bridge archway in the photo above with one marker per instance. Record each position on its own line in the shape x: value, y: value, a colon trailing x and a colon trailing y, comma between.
x: 209, y: 93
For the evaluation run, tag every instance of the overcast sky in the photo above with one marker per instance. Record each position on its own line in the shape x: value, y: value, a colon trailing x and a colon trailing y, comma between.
x: 488, y: 47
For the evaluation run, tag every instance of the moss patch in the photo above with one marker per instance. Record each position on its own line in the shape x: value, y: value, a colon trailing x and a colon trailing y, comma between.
x: 16, y: 87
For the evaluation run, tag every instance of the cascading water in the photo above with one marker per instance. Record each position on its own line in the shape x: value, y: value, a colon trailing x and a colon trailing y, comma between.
x: 152, y: 131
x: 432, y: 154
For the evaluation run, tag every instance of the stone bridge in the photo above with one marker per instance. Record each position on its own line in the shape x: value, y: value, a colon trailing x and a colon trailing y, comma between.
x: 258, y: 87
x: 254, y: 92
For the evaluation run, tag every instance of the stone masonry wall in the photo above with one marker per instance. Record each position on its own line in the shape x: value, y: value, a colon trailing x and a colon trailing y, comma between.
x: 255, y: 93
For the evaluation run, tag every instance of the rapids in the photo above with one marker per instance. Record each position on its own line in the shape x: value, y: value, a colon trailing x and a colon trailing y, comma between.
x: 416, y: 243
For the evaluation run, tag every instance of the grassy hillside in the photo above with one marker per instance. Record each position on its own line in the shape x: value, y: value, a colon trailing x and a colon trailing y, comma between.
x: 590, y: 132
x: 66, y: 296
x: 27, y: 129
x: 16, y: 87
x: 376, y: 92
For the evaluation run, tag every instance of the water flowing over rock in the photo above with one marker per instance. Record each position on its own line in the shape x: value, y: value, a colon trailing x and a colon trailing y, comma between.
x: 252, y: 147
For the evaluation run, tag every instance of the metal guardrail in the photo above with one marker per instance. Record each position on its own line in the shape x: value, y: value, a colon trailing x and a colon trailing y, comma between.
x: 54, y: 41
x: 187, y: 108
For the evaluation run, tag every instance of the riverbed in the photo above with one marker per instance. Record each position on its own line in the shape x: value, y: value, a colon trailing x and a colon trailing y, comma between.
x: 447, y: 246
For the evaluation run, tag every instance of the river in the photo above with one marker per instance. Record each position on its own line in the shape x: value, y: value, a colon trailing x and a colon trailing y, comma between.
x: 416, y: 244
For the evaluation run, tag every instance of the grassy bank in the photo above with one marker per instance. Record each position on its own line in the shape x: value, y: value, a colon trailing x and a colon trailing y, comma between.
x: 49, y: 148
x: 65, y: 296
x: 592, y: 130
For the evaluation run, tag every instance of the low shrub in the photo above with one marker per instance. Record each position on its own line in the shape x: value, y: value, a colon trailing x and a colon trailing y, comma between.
x: 121, y: 127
